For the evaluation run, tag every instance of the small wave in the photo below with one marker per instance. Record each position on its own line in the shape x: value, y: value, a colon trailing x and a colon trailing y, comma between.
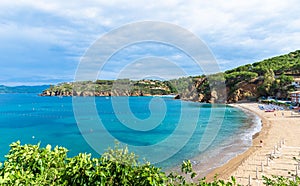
x: 231, y: 147
x: 255, y: 126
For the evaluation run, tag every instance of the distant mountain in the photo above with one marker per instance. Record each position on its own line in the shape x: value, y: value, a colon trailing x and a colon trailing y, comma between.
x: 23, y: 89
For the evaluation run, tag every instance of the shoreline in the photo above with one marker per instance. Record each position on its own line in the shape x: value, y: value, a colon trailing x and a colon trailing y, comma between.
x: 279, y: 133
x: 203, y: 164
x: 225, y: 171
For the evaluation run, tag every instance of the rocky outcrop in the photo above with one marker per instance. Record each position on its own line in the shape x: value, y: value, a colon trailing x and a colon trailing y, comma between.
x: 214, y: 97
x: 201, y: 91
x: 244, y: 91
x: 56, y: 93
x: 177, y: 96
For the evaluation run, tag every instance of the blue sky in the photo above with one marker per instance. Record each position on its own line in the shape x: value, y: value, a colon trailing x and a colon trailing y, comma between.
x: 42, y: 42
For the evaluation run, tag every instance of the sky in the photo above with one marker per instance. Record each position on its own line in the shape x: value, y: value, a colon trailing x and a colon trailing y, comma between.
x: 43, y: 42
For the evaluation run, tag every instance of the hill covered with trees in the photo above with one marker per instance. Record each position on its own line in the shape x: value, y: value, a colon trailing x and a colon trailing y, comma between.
x: 120, y: 87
x: 270, y: 77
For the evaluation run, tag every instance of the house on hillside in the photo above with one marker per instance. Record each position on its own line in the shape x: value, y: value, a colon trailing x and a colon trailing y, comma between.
x: 296, y: 82
x: 295, y: 97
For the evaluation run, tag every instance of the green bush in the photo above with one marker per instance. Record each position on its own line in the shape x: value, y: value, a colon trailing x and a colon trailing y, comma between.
x: 281, y: 181
x: 33, y: 165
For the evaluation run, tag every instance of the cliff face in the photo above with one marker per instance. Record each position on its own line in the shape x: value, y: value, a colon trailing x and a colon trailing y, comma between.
x: 199, y: 89
x: 235, y: 90
x: 244, y: 91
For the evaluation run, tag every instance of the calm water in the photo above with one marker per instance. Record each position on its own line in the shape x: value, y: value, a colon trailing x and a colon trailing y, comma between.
x: 50, y: 120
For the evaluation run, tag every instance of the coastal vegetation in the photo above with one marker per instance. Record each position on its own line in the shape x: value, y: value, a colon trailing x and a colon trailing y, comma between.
x: 120, y: 87
x: 34, y: 165
x: 270, y: 77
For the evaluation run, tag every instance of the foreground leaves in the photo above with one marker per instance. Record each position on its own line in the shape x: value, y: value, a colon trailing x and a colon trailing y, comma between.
x: 33, y: 165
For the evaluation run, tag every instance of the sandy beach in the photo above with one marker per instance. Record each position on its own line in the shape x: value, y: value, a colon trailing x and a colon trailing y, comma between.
x: 280, y: 136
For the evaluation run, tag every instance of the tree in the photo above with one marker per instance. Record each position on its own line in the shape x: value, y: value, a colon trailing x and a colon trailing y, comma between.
x: 269, y: 78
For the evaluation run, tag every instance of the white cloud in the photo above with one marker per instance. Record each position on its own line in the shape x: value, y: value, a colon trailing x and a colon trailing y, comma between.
x: 160, y: 67
x: 236, y: 31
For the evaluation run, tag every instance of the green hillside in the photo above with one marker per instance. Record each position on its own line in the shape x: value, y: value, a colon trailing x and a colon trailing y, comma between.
x: 270, y: 77
x: 120, y: 87
x: 283, y: 64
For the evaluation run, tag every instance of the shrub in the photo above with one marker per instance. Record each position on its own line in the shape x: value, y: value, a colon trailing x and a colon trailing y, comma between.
x: 33, y: 165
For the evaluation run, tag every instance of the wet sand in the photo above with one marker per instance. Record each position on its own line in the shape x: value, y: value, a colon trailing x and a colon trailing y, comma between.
x: 280, y: 134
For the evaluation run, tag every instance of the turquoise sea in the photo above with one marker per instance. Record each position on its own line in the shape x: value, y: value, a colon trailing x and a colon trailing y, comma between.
x: 50, y: 120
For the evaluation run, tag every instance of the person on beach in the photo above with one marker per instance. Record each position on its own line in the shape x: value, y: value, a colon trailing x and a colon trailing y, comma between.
x: 261, y: 143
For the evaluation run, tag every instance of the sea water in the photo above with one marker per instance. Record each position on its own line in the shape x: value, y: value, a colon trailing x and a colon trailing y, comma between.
x: 51, y: 120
